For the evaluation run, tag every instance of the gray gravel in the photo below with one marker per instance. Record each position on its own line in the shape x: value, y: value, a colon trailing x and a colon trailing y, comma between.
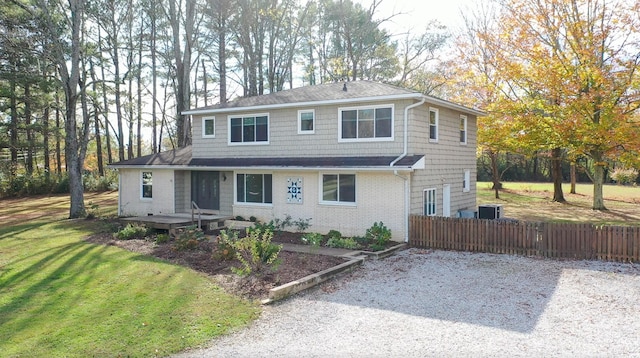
x: 422, y: 303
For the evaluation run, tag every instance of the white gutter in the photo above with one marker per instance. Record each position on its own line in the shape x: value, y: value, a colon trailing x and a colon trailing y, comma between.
x: 407, y: 194
x: 271, y: 168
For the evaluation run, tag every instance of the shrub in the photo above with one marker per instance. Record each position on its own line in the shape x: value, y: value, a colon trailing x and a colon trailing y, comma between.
x: 262, y: 227
x: 225, y: 246
x: 253, y: 219
x: 256, y: 252
x: 624, y: 176
x: 313, y: 239
x: 334, y: 234
x: 162, y: 238
x: 343, y: 243
x: 132, y: 231
x: 379, y: 235
x: 302, y: 224
x: 93, y: 211
x: 188, y: 238
x: 239, y: 218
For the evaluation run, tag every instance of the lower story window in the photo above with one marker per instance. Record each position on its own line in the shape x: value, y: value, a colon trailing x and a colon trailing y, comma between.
x: 147, y: 185
x: 339, y: 188
x: 254, y: 188
x: 430, y: 202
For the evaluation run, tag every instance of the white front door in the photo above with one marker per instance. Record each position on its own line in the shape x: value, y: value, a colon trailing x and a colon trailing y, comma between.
x: 446, y: 200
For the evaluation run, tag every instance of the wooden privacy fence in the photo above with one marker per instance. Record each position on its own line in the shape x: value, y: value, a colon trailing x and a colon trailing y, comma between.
x: 575, y: 241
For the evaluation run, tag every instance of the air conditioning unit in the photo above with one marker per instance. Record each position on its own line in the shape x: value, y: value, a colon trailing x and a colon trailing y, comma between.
x: 491, y: 211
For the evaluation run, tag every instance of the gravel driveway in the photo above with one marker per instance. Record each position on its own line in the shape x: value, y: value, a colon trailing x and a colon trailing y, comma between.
x: 421, y: 303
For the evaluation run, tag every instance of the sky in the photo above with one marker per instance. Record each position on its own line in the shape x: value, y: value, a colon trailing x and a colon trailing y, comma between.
x: 414, y: 14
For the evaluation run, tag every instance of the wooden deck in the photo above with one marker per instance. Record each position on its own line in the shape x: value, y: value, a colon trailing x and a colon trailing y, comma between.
x: 172, y: 222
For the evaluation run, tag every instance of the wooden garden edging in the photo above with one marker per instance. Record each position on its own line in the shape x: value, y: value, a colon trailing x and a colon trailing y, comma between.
x: 557, y: 240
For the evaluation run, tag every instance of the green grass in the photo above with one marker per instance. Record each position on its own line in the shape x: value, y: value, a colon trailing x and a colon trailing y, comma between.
x: 63, y: 297
x: 532, y: 202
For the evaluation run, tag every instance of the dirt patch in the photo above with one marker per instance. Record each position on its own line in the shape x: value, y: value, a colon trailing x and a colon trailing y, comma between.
x: 293, y: 266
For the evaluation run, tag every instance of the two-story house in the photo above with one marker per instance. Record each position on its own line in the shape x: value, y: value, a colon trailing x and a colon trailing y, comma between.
x: 345, y: 155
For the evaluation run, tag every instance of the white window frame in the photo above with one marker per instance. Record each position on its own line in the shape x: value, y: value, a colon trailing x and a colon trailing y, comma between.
x: 466, y: 181
x: 338, y: 202
x: 435, y: 201
x: 374, y: 139
x: 142, y: 185
x: 254, y: 115
x: 235, y: 188
x: 204, y: 120
x: 463, y: 124
x: 436, y: 125
x: 300, y: 130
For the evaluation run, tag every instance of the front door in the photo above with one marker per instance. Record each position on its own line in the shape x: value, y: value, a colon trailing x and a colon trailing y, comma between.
x: 205, y: 189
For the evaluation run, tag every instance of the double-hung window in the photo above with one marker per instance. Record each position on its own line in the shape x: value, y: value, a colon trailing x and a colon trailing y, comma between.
x: 252, y: 129
x: 339, y: 188
x: 208, y: 127
x: 254, y: 188
x: 306, y: 121
x: 430, y: 202
x: 463, y: 129
x: 366, y: 123
x: 433, y: 124
x: 146, y: 190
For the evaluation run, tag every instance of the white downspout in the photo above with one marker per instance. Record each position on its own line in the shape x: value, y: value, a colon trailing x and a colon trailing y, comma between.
x: 119, y: 193
x: 407, y: 194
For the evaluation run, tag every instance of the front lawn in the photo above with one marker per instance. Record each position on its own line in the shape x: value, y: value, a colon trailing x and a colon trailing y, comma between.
x: 62, y: 296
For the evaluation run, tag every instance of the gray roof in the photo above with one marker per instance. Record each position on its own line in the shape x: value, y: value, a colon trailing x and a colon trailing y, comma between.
x: 317, y: 93
x: 181, y: 157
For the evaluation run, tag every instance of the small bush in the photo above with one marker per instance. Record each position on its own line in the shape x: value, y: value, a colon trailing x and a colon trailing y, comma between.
x: 624, y: 176
x: 302, y: 224
x: 253, y: 219
x: 343, y: 243
x: 188, y: 238
x: 334, y: 234
x: 313, y: 239
x: 378, y: 234
x: 256, y: 252
x: 132, y: 231
x: 240, y: 218
x: 162, y: 238
x: 262, y: 227
x: 93, y: 211
x: 225, y: 246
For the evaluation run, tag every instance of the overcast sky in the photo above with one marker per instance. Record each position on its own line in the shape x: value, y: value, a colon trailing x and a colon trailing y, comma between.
x: 414, y: 14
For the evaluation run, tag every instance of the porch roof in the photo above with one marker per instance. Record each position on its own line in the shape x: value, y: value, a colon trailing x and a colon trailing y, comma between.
x: 182, y: 158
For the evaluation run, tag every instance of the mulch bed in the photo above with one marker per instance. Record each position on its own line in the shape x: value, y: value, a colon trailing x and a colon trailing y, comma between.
x: 293, y: 265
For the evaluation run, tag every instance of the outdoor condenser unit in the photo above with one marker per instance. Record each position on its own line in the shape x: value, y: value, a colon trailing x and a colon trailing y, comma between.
x: 491, y: 211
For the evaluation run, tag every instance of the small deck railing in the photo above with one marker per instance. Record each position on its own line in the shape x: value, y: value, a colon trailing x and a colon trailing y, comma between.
x: 195, y: 207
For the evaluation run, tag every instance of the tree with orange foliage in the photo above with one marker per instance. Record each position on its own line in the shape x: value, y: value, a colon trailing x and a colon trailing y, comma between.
x: 566, y: 73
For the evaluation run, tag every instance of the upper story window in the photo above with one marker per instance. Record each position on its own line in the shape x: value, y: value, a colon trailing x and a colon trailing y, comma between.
x: 146, y: 191
x: 338, y: 188
x: 366, y: 123
x: 306, y: 121
x: 208, y: 127
x: 463, y: 129
x: 433, y: 124
x: 254, y: 188
x: 252, y: 129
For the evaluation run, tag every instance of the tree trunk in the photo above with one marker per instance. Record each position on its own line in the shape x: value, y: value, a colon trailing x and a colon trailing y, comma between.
x: 96, y: 120
x: 598, y: 181
x: 13, y: 128
x: 556, y: 173
x: 29, y: 131
x: 154, y: 79
x: 573, y: 177
x: 45, y: 143
x: 58, y: 139
x: 495, y: 174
